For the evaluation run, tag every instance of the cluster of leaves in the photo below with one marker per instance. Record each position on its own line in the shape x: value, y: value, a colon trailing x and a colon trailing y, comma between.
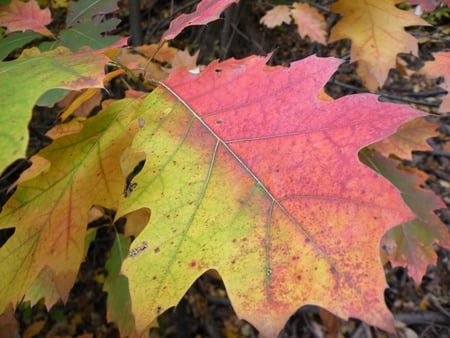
x: 250, y: 170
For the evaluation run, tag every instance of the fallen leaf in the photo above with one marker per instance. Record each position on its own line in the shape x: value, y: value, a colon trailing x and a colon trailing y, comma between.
x: 265, y: 187
x: 310, y: 22
x: 377, y: 31
x: 276, y: 16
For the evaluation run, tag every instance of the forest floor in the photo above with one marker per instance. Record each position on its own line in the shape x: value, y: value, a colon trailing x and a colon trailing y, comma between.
x: 420, y: 310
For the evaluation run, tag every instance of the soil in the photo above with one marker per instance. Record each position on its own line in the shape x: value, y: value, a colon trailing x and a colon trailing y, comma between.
x: 205, y: 311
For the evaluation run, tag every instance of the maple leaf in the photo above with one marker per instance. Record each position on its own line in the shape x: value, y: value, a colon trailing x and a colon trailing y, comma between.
x: 276, y: 16
x: 376, y: 28
x: 265, y: 187
x: 440, y: 67
x: 206, y: 11
x: 310, y: 22
x: 31, y: 76
x: 20, y: 16
x: 410, y: 136
x: 409, y: 244
x: 50, y: 211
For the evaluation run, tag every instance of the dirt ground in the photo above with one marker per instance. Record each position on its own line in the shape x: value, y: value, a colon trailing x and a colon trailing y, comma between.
x: 205, y: 311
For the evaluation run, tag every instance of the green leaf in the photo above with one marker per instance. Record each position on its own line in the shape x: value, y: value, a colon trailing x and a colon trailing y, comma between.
x: 91, y: 34
x: 16, y: 40
x: 31, y: 76
x: 116, y: 285
x: 84, y: 10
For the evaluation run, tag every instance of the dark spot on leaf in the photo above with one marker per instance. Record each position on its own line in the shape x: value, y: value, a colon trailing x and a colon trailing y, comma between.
x: 299, y: 277
x: 156, y: 250
x: 295, y: 258
x: 234, y: 240
x: 193, y: 264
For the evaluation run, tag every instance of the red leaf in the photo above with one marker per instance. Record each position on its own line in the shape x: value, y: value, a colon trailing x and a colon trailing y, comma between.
x: 272, y: 160
x: 206, y: 11
x: 20, y: 16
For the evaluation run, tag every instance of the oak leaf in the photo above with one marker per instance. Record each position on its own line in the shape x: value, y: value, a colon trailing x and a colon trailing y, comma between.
x: 206, y: 11
x: 50, y: 211
x: 410, y: 244
x: 376, y: 28
x: 410, y: 136
x: 265, y: 187
x: 21, y: 16
x: 31, y: 76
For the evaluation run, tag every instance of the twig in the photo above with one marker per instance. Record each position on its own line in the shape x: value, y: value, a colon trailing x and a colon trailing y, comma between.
x: 421, y: 318
x: 388, y: 97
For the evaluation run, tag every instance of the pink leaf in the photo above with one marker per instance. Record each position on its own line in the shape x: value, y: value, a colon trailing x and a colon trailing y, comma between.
x: 206, y: 11
x: 20, y: 16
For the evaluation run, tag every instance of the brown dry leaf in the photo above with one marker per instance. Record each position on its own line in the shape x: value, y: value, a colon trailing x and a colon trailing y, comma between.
x: 310, y: 22
x: 276, y: 16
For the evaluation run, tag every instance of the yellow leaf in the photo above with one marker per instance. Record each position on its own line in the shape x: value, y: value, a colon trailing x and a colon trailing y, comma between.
x: 50, y: 212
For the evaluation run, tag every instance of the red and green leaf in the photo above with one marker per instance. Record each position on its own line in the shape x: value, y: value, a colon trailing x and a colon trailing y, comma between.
x: 265, y: 187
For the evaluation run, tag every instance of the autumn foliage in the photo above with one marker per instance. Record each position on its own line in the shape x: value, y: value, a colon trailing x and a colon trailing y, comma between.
x: 250, y: 170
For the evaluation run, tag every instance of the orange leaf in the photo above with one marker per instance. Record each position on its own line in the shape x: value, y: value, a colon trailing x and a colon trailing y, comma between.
x: 440, y: 67
x: 376, y: 28
x: 410, y: 136
x: 20, y: 16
